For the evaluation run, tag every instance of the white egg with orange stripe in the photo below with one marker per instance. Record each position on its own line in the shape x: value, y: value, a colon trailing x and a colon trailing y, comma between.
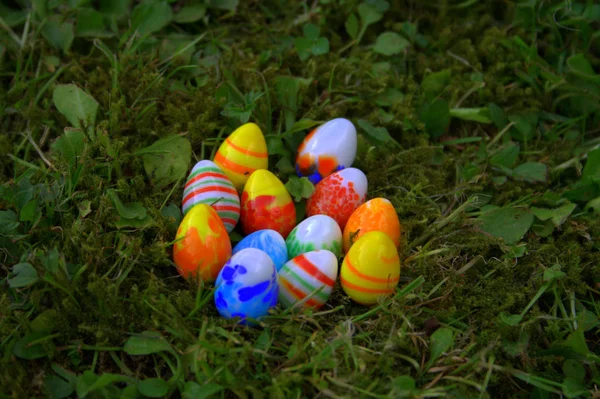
x: 371, y: 268
x: 242, y: 153
x: 307, y: 280
x: 207, y: 184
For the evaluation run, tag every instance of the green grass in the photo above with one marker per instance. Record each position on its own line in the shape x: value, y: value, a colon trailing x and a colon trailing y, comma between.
x: 478, y: 120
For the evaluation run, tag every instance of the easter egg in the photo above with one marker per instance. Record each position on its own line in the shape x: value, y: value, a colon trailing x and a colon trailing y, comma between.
x: 247, y: 286
x: 377, y: 214
x: 313, y: 233
x: 268, y: 241
x: 266, y: 204
x: 371, y: 268
x: 202, y: 244
x: 328, y: 148
x: 243, y: 152
x: 338, y: 195
x: 207, y: 184
x: 307, y: 280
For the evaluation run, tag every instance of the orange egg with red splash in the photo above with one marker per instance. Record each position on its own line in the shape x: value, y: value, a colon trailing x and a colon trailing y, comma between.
x: 202, y: 245
x: 266, y: 204
x: 377, y: 214
x: 327, y: 149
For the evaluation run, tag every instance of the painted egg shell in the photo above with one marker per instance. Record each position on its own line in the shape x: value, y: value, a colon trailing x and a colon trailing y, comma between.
x: 266, y: 204
x: 202, y: 244
x: 268, y: 241
x: 313, y: 233
x: 307, y: 280
x: 377, y: 214
x: 207, y: 184
x: 328, y: 148
x: 371, y: 269
x: 338, y: 195
x: 247, y: 286
x: 243, y: 152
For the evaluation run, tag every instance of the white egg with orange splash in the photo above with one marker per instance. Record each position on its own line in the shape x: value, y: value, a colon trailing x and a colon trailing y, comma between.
x: 327, y: 149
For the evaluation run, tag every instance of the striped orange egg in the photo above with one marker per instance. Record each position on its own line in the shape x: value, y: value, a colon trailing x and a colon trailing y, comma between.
x: 371, y: 269
x: 243, y: 152
x: 377, y: 214
x: 202, y: 244
x: 266, y: 204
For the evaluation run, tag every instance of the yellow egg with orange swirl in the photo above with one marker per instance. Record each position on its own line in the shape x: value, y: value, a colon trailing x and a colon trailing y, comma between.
x: 202, y: 245
x: 371, y: 269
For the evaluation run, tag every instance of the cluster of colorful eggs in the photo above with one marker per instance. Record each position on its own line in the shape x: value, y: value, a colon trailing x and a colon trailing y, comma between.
x: 280, y: 260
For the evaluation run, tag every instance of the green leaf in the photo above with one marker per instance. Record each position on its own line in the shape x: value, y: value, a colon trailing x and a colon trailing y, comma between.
x: 321, y: 46
x: 90, y: 23
x: 29, y: 213
x: 11, y: 16
x: 167, y: 160
x: 150, y: 16
x: 134, y: 210
x: 472, y: 114
x: 553, y: 273
x: 390, y: 43
x: 441, y: 340
x: 311, y: 31
x: 580, y: 66
x: 507, y: 157
x: 436, y: 117
x: 389, y: 97
x: 45, y: 321
x: 58, y: 388
x: 574, y: 370
x: 84, y: 382
x: 404, y: 384
x: 70, y: 145
x: 145, y: 344
x: 173, y: 215
x: 84, y: 207
x: 558, y: 215
x: 498, y: 116
x: 301, y: 125
x: 25, y: 348
x: 24, y: 274
x: 153, y: 387
x: 352, y: 26
x: 189, y: 14
x: 117, y: 8
x: 379, y: 134
x: 193, y: 390
x: 532, y: 172
x: 303, y: 47
x: 299, y: 187
x: 103, y: 381
x: 76, y: 105
x: 510, y: 319
x: 58, y: 33
x: 508, y: 223
x: 591, y: 170
x: 8, y: 222
x: 524, y: 128
x: 275, y: 146
x: 434, y: 83
x: 592, y: 205
x: 368, y: 15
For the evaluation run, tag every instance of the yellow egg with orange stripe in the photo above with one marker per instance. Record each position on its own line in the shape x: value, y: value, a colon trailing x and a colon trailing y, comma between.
x: 371, y: 269
x: 243, y: 152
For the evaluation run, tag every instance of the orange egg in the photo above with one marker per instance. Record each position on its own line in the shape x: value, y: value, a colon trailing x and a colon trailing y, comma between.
x: 377, y: 214
x: 202, y: 244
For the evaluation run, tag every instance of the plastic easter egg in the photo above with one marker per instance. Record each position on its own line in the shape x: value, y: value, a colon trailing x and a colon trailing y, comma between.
x: 328, y: 148
x: 371, y: 269
x: 266, y: 204
x: 202, y: 244
x: 207, y: 184
x: 338, y: 195
x: 307, y: 280
x: 377, y: 214
x: 247, y: 286
x: 268, y: 241
x: 313, y: 233
x: 243, y: 152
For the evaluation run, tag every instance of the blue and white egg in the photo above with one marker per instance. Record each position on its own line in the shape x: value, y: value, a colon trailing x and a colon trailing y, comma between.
x: 269, y: 241
x: 327, y: 149
x: 247, y: 286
